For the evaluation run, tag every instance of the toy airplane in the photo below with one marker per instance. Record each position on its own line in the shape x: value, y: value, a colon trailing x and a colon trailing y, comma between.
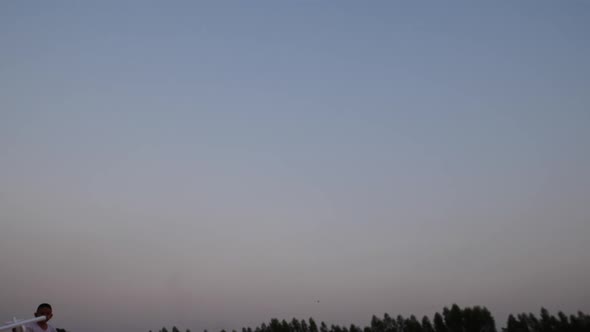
x: 16, y: 323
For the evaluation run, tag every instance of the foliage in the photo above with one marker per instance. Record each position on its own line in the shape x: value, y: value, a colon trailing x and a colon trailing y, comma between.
x: 453, y: 319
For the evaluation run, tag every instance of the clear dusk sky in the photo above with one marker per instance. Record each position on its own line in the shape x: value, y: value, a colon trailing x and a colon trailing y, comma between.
x: 216, y: 164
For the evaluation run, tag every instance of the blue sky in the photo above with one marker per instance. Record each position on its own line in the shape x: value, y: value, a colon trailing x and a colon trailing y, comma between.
x: 216, y: 164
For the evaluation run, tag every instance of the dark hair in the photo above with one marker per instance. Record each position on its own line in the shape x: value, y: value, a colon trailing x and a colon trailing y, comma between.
x: 44, y: 305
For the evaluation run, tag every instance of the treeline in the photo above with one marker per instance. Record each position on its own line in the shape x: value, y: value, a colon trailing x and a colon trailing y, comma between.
x: 455, y: 319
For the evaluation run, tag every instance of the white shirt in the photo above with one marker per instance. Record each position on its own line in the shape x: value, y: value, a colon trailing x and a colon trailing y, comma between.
x: 34, y: 327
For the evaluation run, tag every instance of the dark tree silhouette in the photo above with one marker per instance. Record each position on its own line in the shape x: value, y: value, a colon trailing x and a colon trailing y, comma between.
x: 454, y: 319
x: 426, y: 325
x: 439, y: 323
x: 313, y: 327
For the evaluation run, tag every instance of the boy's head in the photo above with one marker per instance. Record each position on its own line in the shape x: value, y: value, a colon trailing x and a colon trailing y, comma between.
x: 44, y: 309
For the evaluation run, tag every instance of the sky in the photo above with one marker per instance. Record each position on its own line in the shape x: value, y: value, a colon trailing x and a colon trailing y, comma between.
x: 217, y: 164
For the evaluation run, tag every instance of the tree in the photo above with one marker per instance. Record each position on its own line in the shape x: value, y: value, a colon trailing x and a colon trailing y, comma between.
x: 548, y: 322
x: 427, y: 325
x: 582, y: 322
x: 487, y: 321
x: 377, y: 325
x: 354, y: 328
x: 295, y: 326
x: 512, y: 325
x: 412, y: 325
x: 563, y: 323
x: 304, y: 327
x: 401, y: 323
x: 389, y: 324
x: 275, y: 325
x: 284, y: 326
x: 439, y: 324
x: 312, y: 325
x: 471, y: 319
x: 453, y: 318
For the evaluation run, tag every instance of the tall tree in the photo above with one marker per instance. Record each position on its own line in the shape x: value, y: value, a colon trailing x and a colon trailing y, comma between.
x: 453, y: 318
x: 548, y: 322
x: 488, y: 321
x: 275, y: 325
x: 313, y: 327
x: 439, y: 323
x: 284, y: 326
x: 412, y: 325
x: 377, y: 324
x: 295, y: 326
x: 427, y: 325
x: 401, y: 323
x: 512, y: 325
x: 389, y: 324
x: 563, y: 323
x: 304, y: 326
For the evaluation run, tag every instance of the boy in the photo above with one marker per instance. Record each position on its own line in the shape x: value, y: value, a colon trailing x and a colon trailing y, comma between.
x: 44, y: 309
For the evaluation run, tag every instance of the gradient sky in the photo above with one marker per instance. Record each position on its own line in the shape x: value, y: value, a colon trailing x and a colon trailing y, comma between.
x: 216, y: 164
